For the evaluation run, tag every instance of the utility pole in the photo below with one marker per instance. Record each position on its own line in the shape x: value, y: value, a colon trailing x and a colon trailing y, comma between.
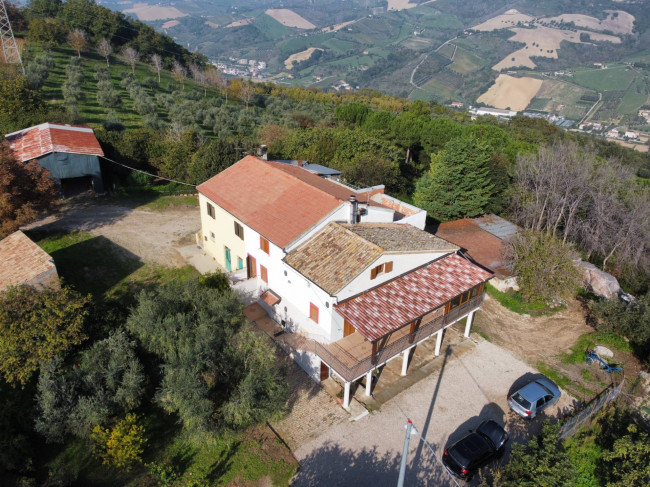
x: 9, y: 47
x: 402, y: 467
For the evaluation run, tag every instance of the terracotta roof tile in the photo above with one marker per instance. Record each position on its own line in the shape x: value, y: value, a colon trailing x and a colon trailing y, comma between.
x: 402, y: 300
x: 21, y: 260
x: 333, y: 257
x: 37, y: 141
x: 272, y: 202
x: 395, y: 237
x: 481, y: 246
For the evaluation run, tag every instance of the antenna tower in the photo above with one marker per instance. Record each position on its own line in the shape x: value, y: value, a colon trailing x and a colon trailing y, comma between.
x: 9, y: 46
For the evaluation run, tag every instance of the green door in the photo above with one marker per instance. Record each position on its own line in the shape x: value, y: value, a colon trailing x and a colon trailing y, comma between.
x: 228, y: 261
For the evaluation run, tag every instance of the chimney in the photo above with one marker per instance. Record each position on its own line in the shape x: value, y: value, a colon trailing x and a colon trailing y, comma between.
x: 299, y: 162
x: 262, y: 152
x: 353, y: 209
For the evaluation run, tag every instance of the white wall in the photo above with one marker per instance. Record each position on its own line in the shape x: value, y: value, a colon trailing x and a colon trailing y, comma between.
x: 402, y: 263
x: 376, y: 214
x: 223, y: 228
x: 419, y: 220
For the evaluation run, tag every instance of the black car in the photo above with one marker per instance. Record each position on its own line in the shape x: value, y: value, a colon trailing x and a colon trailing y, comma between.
x: 478, y: 448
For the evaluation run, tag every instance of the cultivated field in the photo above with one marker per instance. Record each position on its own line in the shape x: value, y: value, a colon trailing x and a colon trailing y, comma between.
x: 289, y: 18
x: 513, y: 93
x: 616, y: 78
x: 465, y: 62
x: 239, y: 23
x: 622, y: 23
x: 211, y: 24
x: 337, y: 27
x: 300, y: 56
x: 555, y: 96
x: 544, y: 42
x: 170, y: 23
x: 144, y: 11
x: 509, y: 19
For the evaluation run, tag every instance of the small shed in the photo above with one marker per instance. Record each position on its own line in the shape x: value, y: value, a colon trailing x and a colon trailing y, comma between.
x: 71, y: 154
x: 22, y: 262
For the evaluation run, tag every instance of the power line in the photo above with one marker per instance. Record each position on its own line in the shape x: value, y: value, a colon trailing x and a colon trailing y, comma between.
x: 147, y: 173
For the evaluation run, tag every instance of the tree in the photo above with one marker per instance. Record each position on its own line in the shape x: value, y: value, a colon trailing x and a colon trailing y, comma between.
x: 26, y: 190
x: 121, y: 446
x: 132, y: 57
x: 43, y: 8
x: 105, y: 49
x: 37, y: 325
x: 371, y: 169
x: 179, y: 73
x: 48, y: 32
x: 247, y: 93
x: 211, y: 158
x: 458, y: 183
x: 106, y: 383
x: 544, y: 266
x: 157, y: 64
x: 215, y: 373
x: 543, y: 461
x: 78, y: 41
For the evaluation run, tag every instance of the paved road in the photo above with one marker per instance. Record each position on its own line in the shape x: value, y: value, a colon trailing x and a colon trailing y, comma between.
x: 466, y: 390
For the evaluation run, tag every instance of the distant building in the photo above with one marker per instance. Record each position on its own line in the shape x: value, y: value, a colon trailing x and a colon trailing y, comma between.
x: 495, y: 112
x: 631, y: 134
x: 457, y: 104
x: 242, y: 61
x: 23, y: 263
x: 613, y: 134
x: 71, y: 154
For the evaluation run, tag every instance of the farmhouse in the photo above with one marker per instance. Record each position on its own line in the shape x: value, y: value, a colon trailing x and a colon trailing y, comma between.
x: 631, y: 134
x: 349, y: 275
x: 23, y: 263
x: 495, y: 112
x: 69, y: 152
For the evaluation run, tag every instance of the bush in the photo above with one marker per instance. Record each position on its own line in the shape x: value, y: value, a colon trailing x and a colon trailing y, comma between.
x: 113, y: 122
x: 121, y: 446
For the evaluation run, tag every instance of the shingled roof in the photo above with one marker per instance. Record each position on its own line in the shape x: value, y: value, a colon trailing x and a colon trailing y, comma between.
x: 37, y: 141
x: 333, y: 257
x: 400, y: 238
x: 21, y: 260
x: 392, y: 305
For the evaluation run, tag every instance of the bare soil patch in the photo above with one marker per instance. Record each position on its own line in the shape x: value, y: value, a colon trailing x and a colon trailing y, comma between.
x: 337, y: 27
x: 239, y: 23
x: 289, y: 18
x: 636, y: 147
x: 509, y: 19
x: 169, y: 24
x: 144, y: 11
x: 300, y: 56
x: 512, y: 93
x: 617, y: 21
x: 211, y: 24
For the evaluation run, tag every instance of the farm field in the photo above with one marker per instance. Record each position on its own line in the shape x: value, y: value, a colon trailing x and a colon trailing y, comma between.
x: 563, y: 98
x: 617, y: 21
x: 144, y: 11
x: 509, y: 19
x: 465, y: 62
x: 289, y: 18
x: 635, y: 97
x: 300, y: 56
x: 437, y: 90
x: 511, y: 93
x: 611, y: 79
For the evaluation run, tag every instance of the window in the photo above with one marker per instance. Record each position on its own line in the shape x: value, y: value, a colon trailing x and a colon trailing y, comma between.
x: 239, y: 230
x: 380, y: 269
x: 313, y: 312
x: 264, y: 274
x: 251, y: 270
x: 210, y: 209
x: 212, y: 236
x: 264, y: 244
x: 240, y: 263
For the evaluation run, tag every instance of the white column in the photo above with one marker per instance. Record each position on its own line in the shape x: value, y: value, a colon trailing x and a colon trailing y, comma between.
x: 468, y: 325
x: 346, y: 396
x: 369, y: 383
x: 405, y: 362
x: 439, y: 341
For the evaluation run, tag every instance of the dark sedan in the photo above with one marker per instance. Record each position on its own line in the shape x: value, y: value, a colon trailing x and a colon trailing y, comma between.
x: 477, y: 449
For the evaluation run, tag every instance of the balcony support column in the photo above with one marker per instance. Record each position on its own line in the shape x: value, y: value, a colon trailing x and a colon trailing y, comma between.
x: 405, y: 361
x: 369, y: 382
x: 346, y: 396
x: 439, y: 341
x: 468, y: 325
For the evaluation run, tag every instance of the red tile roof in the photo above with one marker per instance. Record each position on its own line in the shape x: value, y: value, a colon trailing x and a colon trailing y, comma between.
x: 279, y: 201
x: 398, y: 302
x: 40, y: 140
x: 21, y: 260
x: 481, y: 246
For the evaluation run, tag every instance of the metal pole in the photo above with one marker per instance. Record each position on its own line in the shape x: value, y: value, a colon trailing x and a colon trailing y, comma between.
x: 402, y: 467
x: 9, y: 47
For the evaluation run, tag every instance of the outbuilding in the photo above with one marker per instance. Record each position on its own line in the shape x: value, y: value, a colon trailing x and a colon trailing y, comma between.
x: 71, y: 154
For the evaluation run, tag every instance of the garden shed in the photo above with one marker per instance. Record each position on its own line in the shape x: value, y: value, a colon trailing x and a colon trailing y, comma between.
x: 71, y: 154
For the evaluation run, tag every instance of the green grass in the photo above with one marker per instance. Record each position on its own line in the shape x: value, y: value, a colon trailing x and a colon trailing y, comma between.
x: 560, y: 379
x: 465, y: 62
x: 514, y: 302
x: 635, y: 97
x: 589, y: 340
x: 611, y: 79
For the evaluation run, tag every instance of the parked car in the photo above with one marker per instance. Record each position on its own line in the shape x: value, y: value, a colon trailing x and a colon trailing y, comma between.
x: 535, y: 396
x: 477, y: 449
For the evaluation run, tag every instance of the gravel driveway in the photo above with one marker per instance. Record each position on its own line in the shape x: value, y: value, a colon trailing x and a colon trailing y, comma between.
x: 467, y: 390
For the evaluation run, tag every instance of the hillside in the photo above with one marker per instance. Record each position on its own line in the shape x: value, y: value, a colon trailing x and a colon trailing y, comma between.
x: 447, y: 50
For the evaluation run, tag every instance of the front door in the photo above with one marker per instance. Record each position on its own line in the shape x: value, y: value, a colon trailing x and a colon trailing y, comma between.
x: 348, y: 329
x: 228, y: 260
x: 324, y: 371
x: 251, y: 263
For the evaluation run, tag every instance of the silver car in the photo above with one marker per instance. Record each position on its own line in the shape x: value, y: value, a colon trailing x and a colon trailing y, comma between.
x: 528, y: 401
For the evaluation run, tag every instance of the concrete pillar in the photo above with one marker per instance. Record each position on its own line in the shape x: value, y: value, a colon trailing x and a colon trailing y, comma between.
x: 468, y: 325
x: 405, y: 362
x: 369, y: 383
x: 346, y: 396
x: 439, y: 341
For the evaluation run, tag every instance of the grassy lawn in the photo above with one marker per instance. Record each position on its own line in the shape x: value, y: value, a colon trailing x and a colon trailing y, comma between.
x: 610, y: 79
x: 465, y: 62
x: 514, y: 302
x: 634, y: 98
x: 610, y: 340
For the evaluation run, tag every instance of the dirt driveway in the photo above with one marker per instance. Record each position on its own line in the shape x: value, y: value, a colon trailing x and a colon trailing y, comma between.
x: 466, y: 390
x: 151, y: 235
